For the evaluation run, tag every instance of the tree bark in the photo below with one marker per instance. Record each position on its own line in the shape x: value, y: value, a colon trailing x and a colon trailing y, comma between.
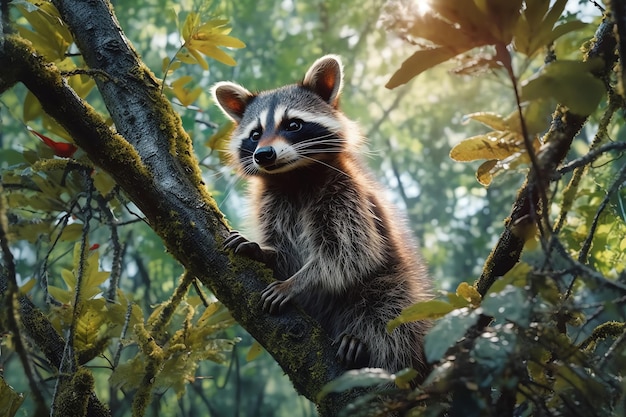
x: 151, y: 157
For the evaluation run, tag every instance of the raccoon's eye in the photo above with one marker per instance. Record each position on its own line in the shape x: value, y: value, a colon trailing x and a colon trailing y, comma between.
x: 255, y: 135
x: 293, y: 125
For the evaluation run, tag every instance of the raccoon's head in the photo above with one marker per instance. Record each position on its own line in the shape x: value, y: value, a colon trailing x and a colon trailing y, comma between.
x: 290, y: 127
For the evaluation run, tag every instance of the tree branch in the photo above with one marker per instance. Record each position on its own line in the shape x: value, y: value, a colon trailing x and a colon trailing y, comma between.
x: 527, y: 206
x: 618, y: 9
x: 152, y: 159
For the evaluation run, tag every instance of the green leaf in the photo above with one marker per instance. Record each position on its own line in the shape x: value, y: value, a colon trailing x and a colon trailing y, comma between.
x: 405, y: 377
x: 357, y: 378
x: 128, y: 375
x: 517, y: 276
x: 556, y: 81
x: 448, y: 331
x: 510, y: 304
x: 10, y: 401
x: 430, y: 309
x: 493, y: 349
x: 419, y: 62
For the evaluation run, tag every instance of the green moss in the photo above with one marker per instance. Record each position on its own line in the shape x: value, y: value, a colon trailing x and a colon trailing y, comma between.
x: 73, y: 394
x: 602, y: 332
x: 58, y: 164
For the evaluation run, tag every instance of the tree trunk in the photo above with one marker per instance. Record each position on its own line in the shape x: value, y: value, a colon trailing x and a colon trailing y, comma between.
x: 151, y: 158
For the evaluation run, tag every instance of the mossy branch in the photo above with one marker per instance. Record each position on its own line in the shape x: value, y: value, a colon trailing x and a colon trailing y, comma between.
x: 613, y: 329
x: 527, y: 208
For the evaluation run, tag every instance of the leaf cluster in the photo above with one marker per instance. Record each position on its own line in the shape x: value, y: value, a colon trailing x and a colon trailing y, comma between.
x: 60, y: 205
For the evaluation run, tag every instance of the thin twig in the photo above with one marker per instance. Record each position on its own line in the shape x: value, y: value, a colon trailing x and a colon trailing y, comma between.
x: 118, y: 352
x: 590, y: 156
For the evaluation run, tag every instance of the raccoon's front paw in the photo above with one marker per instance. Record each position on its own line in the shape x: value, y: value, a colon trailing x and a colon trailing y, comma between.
x: 242, y: 246
x: 276, y: 296
x: 352, y: 352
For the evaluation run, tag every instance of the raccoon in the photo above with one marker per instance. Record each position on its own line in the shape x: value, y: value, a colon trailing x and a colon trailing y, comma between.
x: 337, y: 248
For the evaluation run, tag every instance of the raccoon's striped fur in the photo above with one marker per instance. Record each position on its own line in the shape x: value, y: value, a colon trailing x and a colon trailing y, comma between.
x: 337, y: 247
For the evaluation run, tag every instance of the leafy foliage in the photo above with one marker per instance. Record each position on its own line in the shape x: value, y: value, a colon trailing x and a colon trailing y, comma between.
x: 199, y: 38
x: 541, y: 341
x: 449, y: 28
x: 10, y: 400
x: 60, y: 204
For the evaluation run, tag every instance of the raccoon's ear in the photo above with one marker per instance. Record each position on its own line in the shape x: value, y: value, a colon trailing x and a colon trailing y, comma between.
x: 325, y: 78
x: 232, y: 99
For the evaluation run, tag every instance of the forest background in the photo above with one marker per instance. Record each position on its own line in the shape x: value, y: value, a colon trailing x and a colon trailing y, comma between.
x: 411, y: 131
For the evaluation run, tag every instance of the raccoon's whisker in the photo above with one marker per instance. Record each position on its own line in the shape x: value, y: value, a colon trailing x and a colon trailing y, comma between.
x: 330, y: 137
x: 325, y: 164
x: 337, y: 146
x: 230, y: 187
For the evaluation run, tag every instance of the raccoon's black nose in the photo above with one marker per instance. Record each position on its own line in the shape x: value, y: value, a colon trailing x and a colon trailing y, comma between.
x: 265, y: 156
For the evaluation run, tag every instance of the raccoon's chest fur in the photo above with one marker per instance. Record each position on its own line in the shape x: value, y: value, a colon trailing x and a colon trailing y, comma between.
x: 324, y: 216
x: 300, y: 214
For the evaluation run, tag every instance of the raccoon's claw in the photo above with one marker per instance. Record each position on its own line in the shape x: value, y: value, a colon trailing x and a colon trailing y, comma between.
x: 275, y: 297
x: 242, y: 246
x: 352, y: 352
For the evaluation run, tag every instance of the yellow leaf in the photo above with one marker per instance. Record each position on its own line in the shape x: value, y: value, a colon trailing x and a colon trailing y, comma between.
x: 219, y: 39
x: 82, y: 84
x: 483, y: 173
x: 405, y: 378
x: 206, y: 37
x: 209, y: 49
x: 72, y: 232
x: 170, y: 65
x: 32, y: 108
x: 494, y: 145
x: 489, y: 119
x: 64, y: 296
x: 52, y: 126
x: 27, y: 286
x: 255, y: 350
x: 198, y: 58
x: 128, y: 375
x: 470, y: 293
x: 103, y: 182
x: 184, y: 95
x: 180, y: 83
x: 213, y: 24
x: 185, y: 57
x: 10, y: 401
x: 49, y: 35
x: 218, y: 141
x: 191, y: 23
